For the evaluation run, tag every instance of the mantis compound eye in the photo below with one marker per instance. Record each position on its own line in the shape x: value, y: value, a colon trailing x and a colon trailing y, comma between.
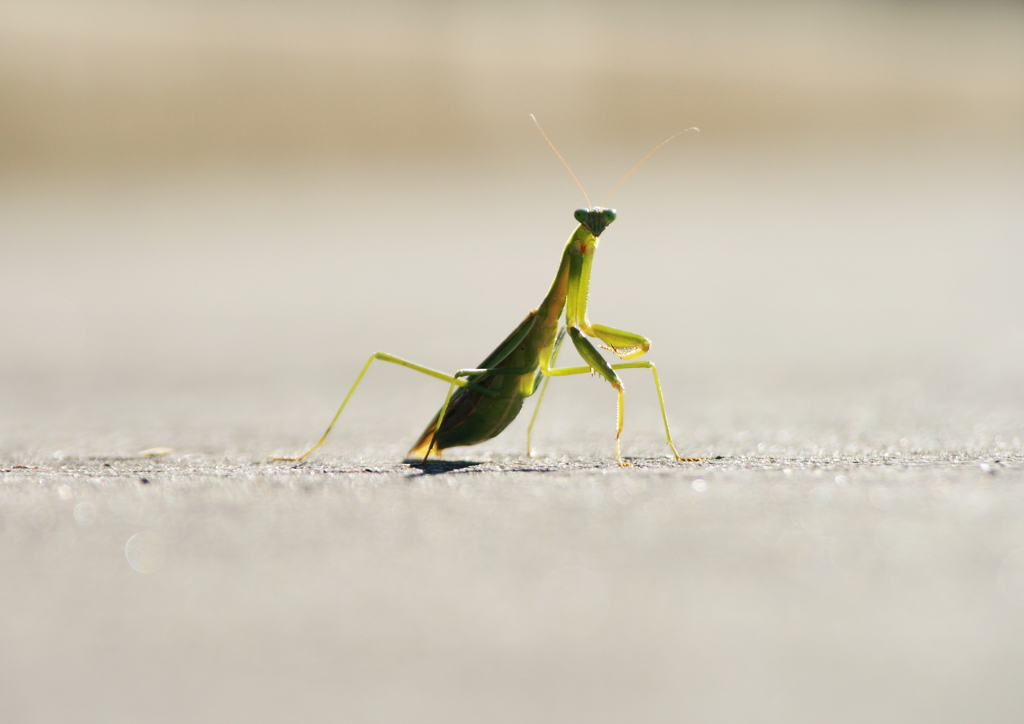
x: 595, y: 220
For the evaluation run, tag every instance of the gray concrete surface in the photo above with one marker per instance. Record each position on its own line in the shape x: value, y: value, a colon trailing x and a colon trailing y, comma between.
x: 883, y: 586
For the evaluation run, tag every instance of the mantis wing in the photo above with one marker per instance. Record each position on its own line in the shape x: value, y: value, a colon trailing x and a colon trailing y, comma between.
x: 472, y: 417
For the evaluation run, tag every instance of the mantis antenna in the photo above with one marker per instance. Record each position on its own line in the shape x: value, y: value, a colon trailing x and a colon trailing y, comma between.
x: 616, y: 187
x: 589, y: 205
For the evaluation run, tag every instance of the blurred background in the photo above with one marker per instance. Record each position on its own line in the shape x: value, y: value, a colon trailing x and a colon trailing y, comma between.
x: 235, y: 203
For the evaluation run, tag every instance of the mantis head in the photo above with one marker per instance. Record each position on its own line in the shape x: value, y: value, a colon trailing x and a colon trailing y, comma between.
x: 595, y: 220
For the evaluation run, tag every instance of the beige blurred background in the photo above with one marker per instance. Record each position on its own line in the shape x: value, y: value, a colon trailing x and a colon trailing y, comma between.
x: 157, y: 86
x: 216, y: 196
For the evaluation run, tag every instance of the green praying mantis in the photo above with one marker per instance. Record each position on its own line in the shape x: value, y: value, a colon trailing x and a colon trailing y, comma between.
x: 482, y: 401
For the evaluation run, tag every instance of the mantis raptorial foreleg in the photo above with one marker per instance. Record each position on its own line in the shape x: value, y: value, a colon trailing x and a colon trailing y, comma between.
x: 384, y: 357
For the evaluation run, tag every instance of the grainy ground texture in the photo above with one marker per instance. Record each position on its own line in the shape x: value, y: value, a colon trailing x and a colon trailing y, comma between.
x: 859, y: 582
x: 210, y: 217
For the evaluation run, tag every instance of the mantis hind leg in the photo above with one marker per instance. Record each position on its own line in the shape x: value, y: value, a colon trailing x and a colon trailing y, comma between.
x: 384, y: 357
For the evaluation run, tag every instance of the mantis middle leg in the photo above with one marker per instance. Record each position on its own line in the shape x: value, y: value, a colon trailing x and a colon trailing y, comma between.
x: 661, y: 402
x: 543, y: 389
x: 600, y: 366
x: 565, y: 371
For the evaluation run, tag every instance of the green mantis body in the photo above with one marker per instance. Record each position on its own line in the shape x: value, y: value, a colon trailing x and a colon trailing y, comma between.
x: 482, y: 401
x: 514, y: 370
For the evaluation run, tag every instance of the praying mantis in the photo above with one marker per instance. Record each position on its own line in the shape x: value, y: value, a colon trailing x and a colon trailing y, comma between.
x: 482, y: 401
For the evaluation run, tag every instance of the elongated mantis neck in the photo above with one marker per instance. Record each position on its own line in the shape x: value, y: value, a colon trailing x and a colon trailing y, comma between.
x: 571, y: 285
x: 580, y: 251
